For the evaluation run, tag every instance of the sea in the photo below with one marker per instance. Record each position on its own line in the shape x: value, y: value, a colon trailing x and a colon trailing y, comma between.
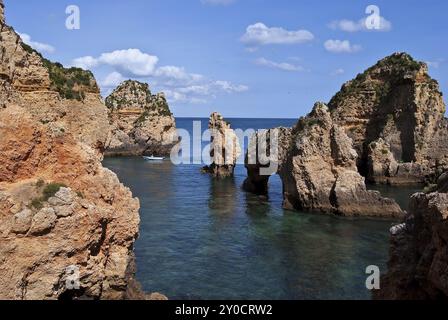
x: 207, y: 239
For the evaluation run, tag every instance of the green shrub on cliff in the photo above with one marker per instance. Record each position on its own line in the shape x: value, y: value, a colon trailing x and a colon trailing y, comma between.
x: 51, y: 189
x: 48, y: 191
x: 70, y: 83
x: 380, y: 78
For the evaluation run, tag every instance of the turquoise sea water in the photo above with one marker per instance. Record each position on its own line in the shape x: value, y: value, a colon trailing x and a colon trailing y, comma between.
x: 207, y: 239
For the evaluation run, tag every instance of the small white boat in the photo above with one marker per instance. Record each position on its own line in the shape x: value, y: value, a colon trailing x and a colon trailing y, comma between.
x: 152, y: 158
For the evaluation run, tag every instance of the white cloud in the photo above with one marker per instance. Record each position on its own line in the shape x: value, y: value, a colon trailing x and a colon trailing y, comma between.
x: 112, y: 80
x: 199, y: 94
x: 338, y: 72
x: 178, y: 84
x: 178, y: 74
x: 176, y: 96
x: 341, y: 46
x: 197, y: 89
x: 39, y: 46
x: 130, y: 61
x: 229, y: 87
x: 218, y: 2
x: 360, y: 25
x: 87, y: 62
x: 259, y: 34
x: 278, y: 65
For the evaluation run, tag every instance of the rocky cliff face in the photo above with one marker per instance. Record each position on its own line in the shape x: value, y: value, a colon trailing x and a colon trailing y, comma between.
x: 387, y: 125
x: 2, y: 12
x: 394, y: 112
x: 61, y: 212
x: 320, y: 172
x: 225, y: 148
x: 259, y: 157
x: 142, y: 123
x: 419, y: 252
x: 317, y: 164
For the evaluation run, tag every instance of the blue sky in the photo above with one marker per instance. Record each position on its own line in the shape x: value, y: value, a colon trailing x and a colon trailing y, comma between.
x: 243, y: 58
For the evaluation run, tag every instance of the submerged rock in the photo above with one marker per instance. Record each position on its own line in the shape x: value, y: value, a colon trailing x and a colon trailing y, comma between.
x: 142, y: 123
x: 418, y: 259
x: 224, y: 149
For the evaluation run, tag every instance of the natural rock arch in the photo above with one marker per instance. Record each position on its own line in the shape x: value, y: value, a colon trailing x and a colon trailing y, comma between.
x: 317, y: 165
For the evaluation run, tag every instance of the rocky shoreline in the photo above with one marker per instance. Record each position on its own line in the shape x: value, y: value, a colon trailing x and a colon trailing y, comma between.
x: 68, y: 226
x: 418, y: 261
x: 62, y: 213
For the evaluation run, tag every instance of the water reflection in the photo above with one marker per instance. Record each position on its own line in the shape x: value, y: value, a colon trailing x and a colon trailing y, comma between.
x: 401, y: 194
x: 223, y: 197
x: 207, y: 239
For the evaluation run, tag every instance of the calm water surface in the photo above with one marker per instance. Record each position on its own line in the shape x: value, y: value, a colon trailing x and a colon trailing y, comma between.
x: 207, y: 239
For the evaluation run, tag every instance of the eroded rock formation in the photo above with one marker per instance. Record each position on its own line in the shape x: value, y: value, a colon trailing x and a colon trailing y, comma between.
x: 387, y: 125
x: 59, y: 208
x: 142, y: 123
x: 419, y: 252
x: 394, y: 112
x: 267, y: 152
x: 2, y: 12
x: 225, y: 148
x: 320, y: 174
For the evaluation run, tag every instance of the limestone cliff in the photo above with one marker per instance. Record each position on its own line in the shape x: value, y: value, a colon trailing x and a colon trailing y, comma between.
x: 317, y: 164
x: 387, y: 125
x: 394, y: 112
x: 142, y: 123
x: 225, y: 148
x: 320, y: 172
x: 2, y: 12
x: 60, y: 211
x: 259, y: 157
x: 419, y: 252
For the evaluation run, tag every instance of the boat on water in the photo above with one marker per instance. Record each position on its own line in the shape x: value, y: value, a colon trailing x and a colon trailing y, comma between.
x: 152, y: 158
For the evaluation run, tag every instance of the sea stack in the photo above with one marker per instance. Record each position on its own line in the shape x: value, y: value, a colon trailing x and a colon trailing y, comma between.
x: 316, y: 161
x: 417, y: 268
x: 320, y: 174
x: 142, y: 123
x: 395, y: 115
x: 387, y: 126
x: 67, y: 224
x: 265, y: 156
x: 225, y: 148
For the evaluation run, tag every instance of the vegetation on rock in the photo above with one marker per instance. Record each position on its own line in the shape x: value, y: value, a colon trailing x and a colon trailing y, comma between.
x: 48, y: 191
x: 71, y: 83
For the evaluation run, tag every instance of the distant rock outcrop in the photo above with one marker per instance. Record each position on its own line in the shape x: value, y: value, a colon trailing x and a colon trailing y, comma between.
x: 142, y: 123
x: 225, y: 148
x: 63, y: 216
x: 395, y: 114
x: 418, y: 259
